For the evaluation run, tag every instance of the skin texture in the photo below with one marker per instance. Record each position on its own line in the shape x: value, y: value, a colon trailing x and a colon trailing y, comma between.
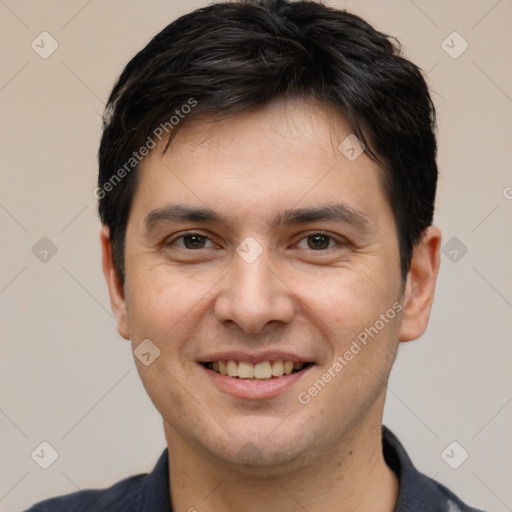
x: 229, y: 453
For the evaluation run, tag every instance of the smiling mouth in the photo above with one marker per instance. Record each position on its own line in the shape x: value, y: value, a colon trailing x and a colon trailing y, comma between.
x: 265, y: 370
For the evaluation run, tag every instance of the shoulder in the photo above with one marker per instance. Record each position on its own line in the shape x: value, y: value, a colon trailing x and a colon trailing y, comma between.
x: 446, y: 499
x: 119, y: 497
x: 146, y: 491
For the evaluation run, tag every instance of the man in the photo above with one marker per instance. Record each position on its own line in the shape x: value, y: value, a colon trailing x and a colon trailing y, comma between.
x: 266, y: 186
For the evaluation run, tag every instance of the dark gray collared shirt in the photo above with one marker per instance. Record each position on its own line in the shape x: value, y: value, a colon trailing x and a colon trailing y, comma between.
x: 150, y: 492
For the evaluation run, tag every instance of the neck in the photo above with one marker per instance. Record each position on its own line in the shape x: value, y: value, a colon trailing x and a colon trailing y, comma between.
x: 353, y: 476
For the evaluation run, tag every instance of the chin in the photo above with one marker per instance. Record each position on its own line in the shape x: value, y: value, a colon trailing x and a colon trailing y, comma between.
x: 263, y: 448
x: 269, y: 461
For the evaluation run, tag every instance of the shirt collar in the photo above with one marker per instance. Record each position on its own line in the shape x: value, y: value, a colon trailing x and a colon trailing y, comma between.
x: 155, y: 495
x: 417, y: 492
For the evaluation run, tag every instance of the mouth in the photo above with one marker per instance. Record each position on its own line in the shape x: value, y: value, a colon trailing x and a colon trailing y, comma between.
x: 264, y: 370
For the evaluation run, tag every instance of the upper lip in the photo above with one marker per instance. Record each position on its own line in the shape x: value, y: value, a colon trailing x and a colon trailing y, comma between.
x: 254, y: 358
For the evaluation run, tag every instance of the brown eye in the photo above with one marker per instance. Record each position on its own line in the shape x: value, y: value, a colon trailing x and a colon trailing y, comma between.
x: 194, y: 241
x: 318, y: 242
x: 191, y: 241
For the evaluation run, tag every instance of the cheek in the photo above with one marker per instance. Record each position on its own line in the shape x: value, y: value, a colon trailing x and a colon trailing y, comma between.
x: 155, y: 302
x: 165, y: 305
x: 345, y: 302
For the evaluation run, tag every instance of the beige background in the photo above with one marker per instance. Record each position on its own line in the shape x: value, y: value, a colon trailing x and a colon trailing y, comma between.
x: 67, y: 378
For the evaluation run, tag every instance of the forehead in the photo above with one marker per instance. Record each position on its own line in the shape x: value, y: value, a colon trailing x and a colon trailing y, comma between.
x: 284, y: 155
x: 303, y: 131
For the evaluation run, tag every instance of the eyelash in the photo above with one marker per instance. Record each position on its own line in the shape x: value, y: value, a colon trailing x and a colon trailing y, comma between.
x: 338, y: 242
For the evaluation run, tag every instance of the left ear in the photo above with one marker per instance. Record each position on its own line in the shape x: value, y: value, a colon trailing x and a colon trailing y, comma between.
x: 420, y: 285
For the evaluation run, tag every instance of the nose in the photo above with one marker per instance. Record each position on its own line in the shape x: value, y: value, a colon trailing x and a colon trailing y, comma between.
x: 253, y: 295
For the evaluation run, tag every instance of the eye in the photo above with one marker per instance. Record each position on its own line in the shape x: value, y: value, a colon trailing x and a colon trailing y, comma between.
x: 318, y: 242
x: 192, y: 241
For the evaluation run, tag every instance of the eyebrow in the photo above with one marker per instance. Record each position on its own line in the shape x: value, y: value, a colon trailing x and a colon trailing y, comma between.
x: 333, y: 212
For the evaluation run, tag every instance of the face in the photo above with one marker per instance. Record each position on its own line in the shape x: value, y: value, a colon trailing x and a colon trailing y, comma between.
x: 256, y: 248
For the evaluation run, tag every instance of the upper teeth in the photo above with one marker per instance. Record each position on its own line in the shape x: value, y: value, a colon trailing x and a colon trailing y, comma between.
x: 246, y: 370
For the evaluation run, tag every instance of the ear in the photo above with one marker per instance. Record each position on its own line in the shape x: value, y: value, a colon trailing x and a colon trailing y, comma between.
x: 420, y: 285
x: 114, y: 284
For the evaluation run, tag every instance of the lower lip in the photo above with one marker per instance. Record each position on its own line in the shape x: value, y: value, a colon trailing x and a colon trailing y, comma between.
x: 255, y: 389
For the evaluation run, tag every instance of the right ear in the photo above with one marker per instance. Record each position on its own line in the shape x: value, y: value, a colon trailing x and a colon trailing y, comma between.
x: 114, y: 284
